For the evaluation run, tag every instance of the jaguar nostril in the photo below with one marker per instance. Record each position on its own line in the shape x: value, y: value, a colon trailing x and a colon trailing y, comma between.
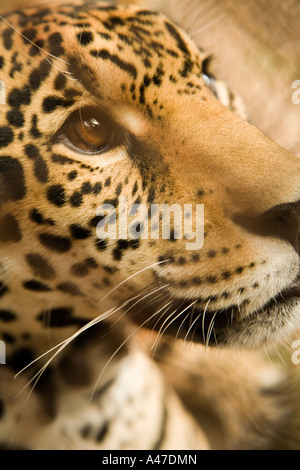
x: 281, y: 221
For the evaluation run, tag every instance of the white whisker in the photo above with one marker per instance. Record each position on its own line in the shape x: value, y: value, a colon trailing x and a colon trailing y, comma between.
x: 208, y: 25
x: 130, y: 277
x: 118, y: 349
x: 210, y: 328
x: 203, y: 318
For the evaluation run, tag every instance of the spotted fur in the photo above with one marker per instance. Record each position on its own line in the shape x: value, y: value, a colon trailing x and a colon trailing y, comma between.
x: 79, y: 302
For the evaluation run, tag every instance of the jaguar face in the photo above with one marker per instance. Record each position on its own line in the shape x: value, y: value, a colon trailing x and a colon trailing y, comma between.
x: 108, y: 102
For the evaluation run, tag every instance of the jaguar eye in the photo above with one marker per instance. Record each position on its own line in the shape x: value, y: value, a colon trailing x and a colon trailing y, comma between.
x: 88, y: 131
x: 210, y: 82
x: 207, y: 79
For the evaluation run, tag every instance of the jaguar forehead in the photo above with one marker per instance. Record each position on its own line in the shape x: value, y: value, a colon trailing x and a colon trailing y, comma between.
x: 86, y: 75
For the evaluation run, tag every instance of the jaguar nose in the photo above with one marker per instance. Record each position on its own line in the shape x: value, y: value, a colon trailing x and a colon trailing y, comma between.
x: 281, y: 221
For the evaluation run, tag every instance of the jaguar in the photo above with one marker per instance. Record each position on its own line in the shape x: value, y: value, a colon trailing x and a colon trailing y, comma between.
x: 104, y: 101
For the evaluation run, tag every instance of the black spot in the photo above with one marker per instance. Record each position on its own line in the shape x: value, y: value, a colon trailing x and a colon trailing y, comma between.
x: 187, y: 68
x: 19, y: 96
x: 112, y: 202
x: 151, y: 195
x: 85, y: 431
x: 69, y: 288
x: 95, y: 220
x: 211, y: 254
x: 168, y: 259
x: 36, y: 286
x: 28, y: 35
x: 62, y: 160
x: 34, y: 131
x: 146, y: 13
x: 8, y: 338
x: 51, y: 103
x: 125, y: 66
x: 86, y: 188
x: 16, y: 65
x: 119, y: 189
x: 123, y: 245
x: 35, y: 48
x: 135, y: 188
x: 55, y: 243
x: 239, y: 270
x: 101, y: 245
x: 55, y: 40
x: 2, y: 409
x: 79, y: 233
x: 79, y: 270
x: 7, y: 315
x: 107, y: 182
x: 97, y: 188
x: 60, y: 81
x: 1, y: 61
x: 91, y: 263
x: 57, y: 317
x: 15, y: 118
x: 173, y: 236
x: 72, y: 175
x: 226, y: 274
x: 3, y: 289
x: 175, y: 34
x: 110, y: 269
x: 21, y: 358
x: 82, y: 25
x: 12, y: 184
x: 76, y: 199
x: 142, y: 94
x: 41, y: 266
x: 56, y: 195
x: 6, y: 136
x: 225, y: 295
x: 85, y: 38
x: 107, y: 8
x: 102, y: 432
x: 40, y: 167
x: 104, y: 35
x: 211, y: 279
x: 38, y: 75
x: 7, y: 38
x: 197, y: 280
x: 9, y: 229
x: 39, y: 219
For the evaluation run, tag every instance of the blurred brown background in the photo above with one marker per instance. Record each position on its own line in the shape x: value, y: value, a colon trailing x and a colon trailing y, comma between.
x: 256, y: 45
